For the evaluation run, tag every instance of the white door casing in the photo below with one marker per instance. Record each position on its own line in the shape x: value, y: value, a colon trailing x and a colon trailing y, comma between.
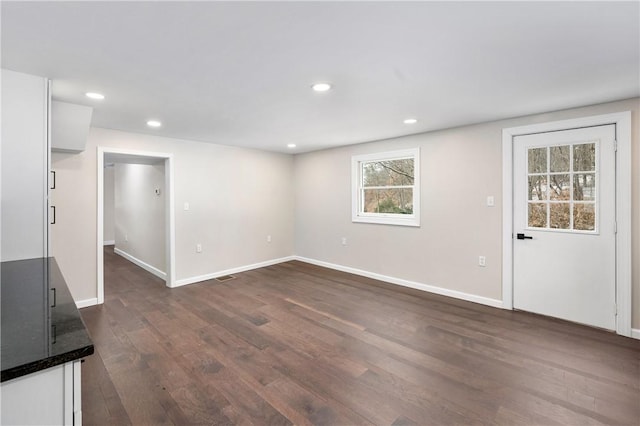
x: 564, y: 211
x: 169, y: 214
x: 622, y: 122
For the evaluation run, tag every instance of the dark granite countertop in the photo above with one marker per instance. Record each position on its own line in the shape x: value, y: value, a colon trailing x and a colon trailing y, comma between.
x: 41, y: 325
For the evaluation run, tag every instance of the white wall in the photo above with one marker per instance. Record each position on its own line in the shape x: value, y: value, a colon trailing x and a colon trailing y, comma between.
x: 140, y: 213
x: 24, y: 166
x: 109, y: 205
x: 237, y: 197
x: 459, y: 167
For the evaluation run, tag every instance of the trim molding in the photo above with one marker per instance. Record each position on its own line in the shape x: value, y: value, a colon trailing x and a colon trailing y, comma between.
x: 155, y: 271
x: 86, y: 302
x: 635, y: 333
x: 244, y: 268
x: 622, y: 121
x: 170, y: 253
x: 109, y: 243
x: 406, y: 283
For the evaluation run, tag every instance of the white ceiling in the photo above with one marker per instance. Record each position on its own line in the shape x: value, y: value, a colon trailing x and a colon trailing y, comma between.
x: 239, y: 73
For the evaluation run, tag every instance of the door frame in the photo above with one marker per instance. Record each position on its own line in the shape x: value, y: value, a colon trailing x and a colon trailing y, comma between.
x: 622, y: 121
x: 169, y: 214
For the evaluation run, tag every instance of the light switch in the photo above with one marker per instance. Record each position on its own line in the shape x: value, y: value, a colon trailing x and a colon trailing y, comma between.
x: 186, y: 206
x: 490, y: 201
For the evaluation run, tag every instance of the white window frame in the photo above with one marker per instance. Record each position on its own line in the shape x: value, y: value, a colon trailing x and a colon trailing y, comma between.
x: 357, y: 213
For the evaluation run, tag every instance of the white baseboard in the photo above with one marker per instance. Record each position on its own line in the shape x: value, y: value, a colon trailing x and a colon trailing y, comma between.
x: 152, y: 269
x: 239, y: 269
x: 86, y: 303
x: 109, y: 243
x: 406, y: 283
x: 635, y: 333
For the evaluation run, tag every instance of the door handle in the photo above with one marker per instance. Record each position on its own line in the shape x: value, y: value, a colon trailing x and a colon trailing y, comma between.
x: 54, y: 216
x: 524, y: 237
x: 53, y: 186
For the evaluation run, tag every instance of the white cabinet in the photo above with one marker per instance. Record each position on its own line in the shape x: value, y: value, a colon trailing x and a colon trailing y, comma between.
x: 25, y: 166
x: 48, y: 397
x: 69, y: 126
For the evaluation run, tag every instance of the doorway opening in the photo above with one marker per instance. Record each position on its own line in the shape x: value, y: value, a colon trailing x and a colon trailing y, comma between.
x: 158, y: 166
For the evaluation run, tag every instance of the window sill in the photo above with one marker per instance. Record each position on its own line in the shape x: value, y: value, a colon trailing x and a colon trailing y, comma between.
x: 388, y: 220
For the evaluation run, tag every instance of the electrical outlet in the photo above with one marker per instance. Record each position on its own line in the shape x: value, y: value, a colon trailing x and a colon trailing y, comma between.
x: 268, y: 238
x: 482, y: 261
x: 198, y: 248
x: 344, y: 241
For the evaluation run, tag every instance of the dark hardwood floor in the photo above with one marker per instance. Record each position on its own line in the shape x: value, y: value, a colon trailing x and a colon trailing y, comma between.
x: 300, y: 344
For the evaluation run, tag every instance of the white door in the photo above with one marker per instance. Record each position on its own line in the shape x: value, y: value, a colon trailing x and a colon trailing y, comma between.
x: 564, y: 256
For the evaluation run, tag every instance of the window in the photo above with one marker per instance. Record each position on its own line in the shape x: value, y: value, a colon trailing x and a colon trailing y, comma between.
x: 386, y: 188
x: 562, y: 187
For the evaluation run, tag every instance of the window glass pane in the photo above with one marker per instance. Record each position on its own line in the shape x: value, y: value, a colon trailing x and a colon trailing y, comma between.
x: 584, y: 217
x: 388, y: 172
x: 584, y: 186
x: 537, y: 160
x: 560, y: 215
x: 559, y: 187
x: 559, y: 158
x: 584, y: 157
x: 399, y: 201
x: 537, y: 215
x: 538, y: 188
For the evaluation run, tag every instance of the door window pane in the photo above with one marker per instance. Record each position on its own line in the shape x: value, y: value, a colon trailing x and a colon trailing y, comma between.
x: 537, y: 160
x: 584, y: 217
x: 559, y: 187
x: 584, y: 157
x: 560, y: 215
x: 560, y: 161
x: 584, y: 186
x: 537, y: 215
x: 538, y: 188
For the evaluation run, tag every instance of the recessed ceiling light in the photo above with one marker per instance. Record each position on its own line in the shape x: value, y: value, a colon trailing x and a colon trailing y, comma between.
x: 94, y: 95
x: 154, y: 123
x: 321, y: 87
x: 410, y: 121
x: 291, y: 145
